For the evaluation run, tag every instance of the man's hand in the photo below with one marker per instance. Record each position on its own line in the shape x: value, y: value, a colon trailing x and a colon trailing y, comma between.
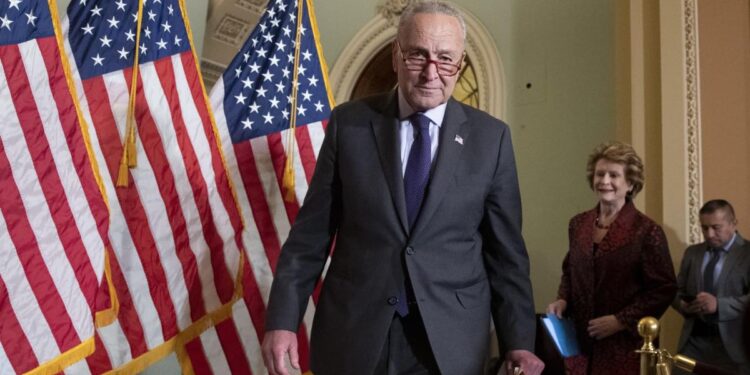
x: 526, y: 360
x: 558, y: 308
x: 704, y: 303
x: 604, y: 326
x: 276, y: 345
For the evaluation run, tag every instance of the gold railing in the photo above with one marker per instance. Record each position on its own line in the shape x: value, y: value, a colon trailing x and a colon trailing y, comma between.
x: 656, y: 361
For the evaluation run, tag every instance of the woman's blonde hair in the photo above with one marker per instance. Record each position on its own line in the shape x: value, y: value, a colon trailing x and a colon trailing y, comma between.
x: 622, y: 153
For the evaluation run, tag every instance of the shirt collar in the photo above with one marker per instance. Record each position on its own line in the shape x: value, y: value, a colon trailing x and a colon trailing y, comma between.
x: 729, y: 244
x: 405, y: 110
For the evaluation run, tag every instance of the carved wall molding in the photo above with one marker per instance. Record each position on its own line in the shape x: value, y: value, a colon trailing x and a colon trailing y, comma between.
x: 381, y: 31
x: 692, y: 115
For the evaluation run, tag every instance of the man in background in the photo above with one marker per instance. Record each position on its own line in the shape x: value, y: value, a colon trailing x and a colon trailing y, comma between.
x: 713, y: 295
x: 421, y: 195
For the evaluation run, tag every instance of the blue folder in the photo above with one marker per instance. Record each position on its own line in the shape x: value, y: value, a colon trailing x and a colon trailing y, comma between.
x: 563, y: 333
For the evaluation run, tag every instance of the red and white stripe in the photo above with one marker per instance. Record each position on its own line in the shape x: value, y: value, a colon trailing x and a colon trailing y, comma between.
x: 256, y: 168
x: 176, y: 230
x: 53, y: 218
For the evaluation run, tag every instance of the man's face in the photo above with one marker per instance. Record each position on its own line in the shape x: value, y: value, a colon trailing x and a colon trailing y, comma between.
x: 437, y: 37
x: 717, y: 228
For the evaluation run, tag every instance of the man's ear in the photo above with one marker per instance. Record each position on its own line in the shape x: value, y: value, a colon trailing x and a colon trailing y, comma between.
x: 394, y: 56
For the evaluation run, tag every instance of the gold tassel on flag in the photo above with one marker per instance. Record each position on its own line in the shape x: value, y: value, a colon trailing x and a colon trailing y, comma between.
x: 129, y: 154
x: 287, y: 182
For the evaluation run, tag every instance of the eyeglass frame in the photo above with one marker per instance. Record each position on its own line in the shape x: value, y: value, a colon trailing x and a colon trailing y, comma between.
x: 429, y: 61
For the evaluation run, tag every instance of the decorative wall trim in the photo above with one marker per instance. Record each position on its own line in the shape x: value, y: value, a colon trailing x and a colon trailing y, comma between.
x: 692, y: 115
x: 381, y: 31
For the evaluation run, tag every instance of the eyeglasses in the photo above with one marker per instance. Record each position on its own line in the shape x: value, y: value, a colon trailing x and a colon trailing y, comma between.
x: 417, y: 62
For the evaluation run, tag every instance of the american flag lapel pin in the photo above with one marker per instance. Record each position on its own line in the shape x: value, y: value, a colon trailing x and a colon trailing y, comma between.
x: 459, y: 140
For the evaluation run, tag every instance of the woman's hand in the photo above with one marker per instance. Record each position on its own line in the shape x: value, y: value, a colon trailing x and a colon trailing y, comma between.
x: 558, y: 308
x: 604, y: 326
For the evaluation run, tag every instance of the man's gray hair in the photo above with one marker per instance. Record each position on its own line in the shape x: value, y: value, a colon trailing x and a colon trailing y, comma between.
x: 431, y: 6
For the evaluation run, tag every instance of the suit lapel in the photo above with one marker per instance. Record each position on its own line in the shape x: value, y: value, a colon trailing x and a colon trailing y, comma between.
x: 448, y: 155
x: 697, y: 270
x: 385, y: 130
x: 733, y: 258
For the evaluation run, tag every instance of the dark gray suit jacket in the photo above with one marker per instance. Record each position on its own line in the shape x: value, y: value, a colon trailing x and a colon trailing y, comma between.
x: 732, y: 292
x: 465, y: 256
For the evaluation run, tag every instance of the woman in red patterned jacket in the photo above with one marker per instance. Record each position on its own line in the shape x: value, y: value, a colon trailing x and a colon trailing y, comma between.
x: 617, y: 269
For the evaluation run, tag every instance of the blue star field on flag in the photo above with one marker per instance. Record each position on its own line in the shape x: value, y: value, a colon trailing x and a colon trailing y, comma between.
x: 258, y: 82
x: 103, y: 33
x: 22, y: 20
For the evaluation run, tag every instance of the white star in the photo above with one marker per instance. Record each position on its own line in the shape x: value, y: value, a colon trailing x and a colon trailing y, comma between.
x: 98, y: 60
x: 313, y: 81
x: 105, y: 41
x: 268, y: 118
x: 113, y: 22
x: 255, y: 68
x: 14, y: 4
x: 143, y: 48
x: 96, y: 11
x: 287, y: 31
x: 151, y: 15
x: 147, y: 32
x: 167, y: 27
x: 171, y: 9
x: 301, y: 110
x: 240, y: 98
x: 88, y: 29
x: 285, y: 113
x: 306, y: 55
x: 262, y: 92
x: 82, y: 2
x: 247, y: 124
x: 274, y: 102
x: 162, y: 44
x: 302, y: 29
x: 120, y: 5
x: 319, y: 106
x: 280, y: 87
x: 31, y: 18
x: 135, y: 17
x: 306, y: 95
x: 274, y: 60
x: 267, y: 75
x: 262, y: 52
x: 286, y: 72
x: 254, y: 108
x: 290, y: 56
x: 123, y: 53
x: 263, y: 27
x: 246, y: 56
x: 282, y: 6
x: 255, y: 41
x: 268, y: 37
x: 247, y: 83
x: 280, y: 45
x: 271, y: 12
x: 292, y: 17
x: 237, y: 72
x: 6, y: 22
x: 130, y: 35
x: 177, y: 40
x: 301, y: 70
x: 275, y: 22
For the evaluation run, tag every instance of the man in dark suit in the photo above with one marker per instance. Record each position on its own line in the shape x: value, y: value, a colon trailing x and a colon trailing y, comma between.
x: 714, y: 291
x: 420, y: 193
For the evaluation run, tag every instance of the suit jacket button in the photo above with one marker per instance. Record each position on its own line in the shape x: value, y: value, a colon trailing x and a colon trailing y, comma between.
x: 410, y: 250
x: 392, y: 300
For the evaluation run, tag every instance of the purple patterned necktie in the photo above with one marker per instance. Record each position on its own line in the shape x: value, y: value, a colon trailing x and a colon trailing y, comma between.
x: 415, y: 181
x: 417, y: 166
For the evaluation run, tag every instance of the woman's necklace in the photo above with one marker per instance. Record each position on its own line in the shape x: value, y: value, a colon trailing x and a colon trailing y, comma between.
x: 600, y: 225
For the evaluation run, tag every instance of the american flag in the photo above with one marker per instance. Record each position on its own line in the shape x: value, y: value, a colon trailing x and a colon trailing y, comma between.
x: 53, y: 216
x: 253, y: 107
x: 176, y: 229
